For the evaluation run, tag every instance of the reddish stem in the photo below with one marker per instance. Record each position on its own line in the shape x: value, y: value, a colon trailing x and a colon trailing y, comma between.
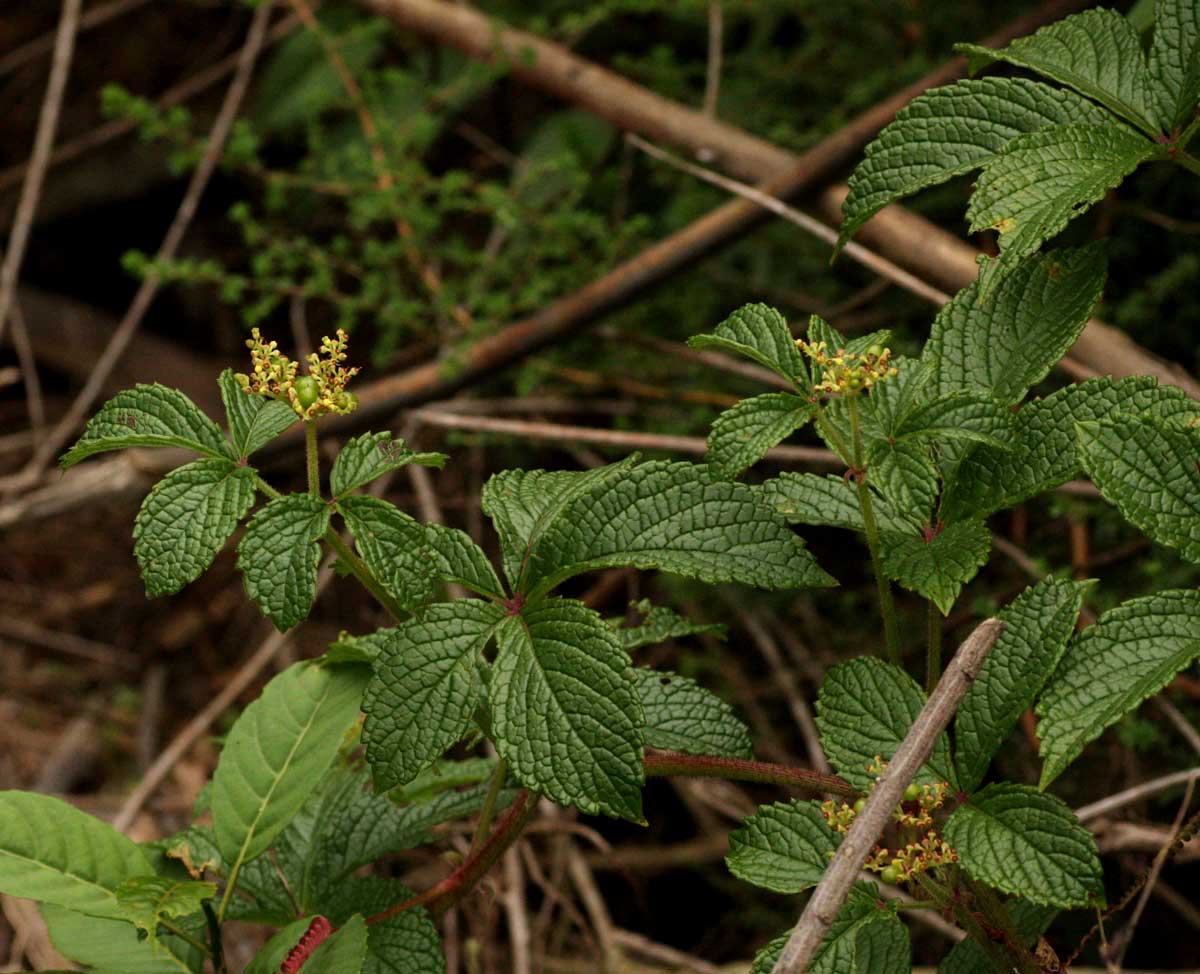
x: 661, y: 764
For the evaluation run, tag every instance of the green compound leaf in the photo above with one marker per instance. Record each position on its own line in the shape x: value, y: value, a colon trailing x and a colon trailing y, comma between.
x: 147, y: 900
x: 968, y: 957
x: 1151, y: 471
x: 659, y: 625
x: 783, y: 847
x: 371, y: 455
x: 1132, y: 652
x: 54, y: 853
x: 254, y: 421
x: 865, y: 708
x: 761, y: 333
x: 742, y: 435
x: 672, y: 517
x: 1007, y: 344
x: 949, y: 131
x: 905, y: 475
x: 344, y: 952
x: 426, y: 687
x: 279, y: 554
x: 940, y: 567
x: 186, y: 519
x: 1037, y: 626
x: 564, y: 711
x: 277, y: 751
x: 406, y: 943
x: 1175, y: 61
x: 148, y: 415
x: 1045, y: 179
x: 454, y: 557
x: 1096, y: 52
x: 1027, y: 843
x: 828, y: 501
x: 114, y: 947
x: 393, y: 546
x: 683, y: 716
x: 966, y: 416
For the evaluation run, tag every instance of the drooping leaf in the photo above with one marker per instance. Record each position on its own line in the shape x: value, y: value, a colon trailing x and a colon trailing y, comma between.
x: 785, y: 847
x: 279, y: 554
x: 761, y: 333
x: 659, y: 625
x: 1175, y: 61
x: 148, y: 415
x: 1133, y: 651
x: 454, y: 557
x: 683, y: 716
x: 393, y: 546
x: 114, y: 947
x: 147, y: 900
x: 254, y: 421
x: 905, y: 475
x: 406, y: 943
x: 425, y: 689
x: 371, y: 455
x: 828, y: 501
x: 564, y: 711
x: 967, y: 416
x: 742, y: 435
x: 937, y: 568
x: 1027, y: 843
x: 186, y: 519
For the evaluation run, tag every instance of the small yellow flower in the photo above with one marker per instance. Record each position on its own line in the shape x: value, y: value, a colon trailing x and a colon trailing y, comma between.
x: 848, y: 373
x: 321, y: 391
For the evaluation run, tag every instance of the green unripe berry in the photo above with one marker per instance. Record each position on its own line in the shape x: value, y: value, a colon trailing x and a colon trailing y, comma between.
x: 875, y: 351
x: 912, y: 793
x: 890, y: 875
x: 858, y: 805
x: 307, y: 391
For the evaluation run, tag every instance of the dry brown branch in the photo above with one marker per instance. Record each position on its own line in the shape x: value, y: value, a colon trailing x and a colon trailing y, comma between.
x: 29, y: 372
x: 516, y: 912
x: 597, y: 911
x: 39, y: 46
x: 1106, y: 806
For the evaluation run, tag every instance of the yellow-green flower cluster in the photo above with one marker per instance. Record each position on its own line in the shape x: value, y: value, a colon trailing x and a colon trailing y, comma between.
x: 915, y: 858
x: 848, y: 373
x: 321, y: 391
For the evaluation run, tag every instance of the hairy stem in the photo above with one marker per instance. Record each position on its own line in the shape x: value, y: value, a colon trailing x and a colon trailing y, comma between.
x: 933, y: 658
x: 1000, y: 928
x: 358, y: 568
x: 310, y: 451
x: 664, y: 764
x: 489, y: 806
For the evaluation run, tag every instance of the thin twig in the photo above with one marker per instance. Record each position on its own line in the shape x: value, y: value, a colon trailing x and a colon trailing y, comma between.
x: 516, y: 912
x: 29, y: 372
x: 716, y: 43
x: 94, y: 17
x: 1130, y: 795
x: 1182, y: 724
x: 593, y: 903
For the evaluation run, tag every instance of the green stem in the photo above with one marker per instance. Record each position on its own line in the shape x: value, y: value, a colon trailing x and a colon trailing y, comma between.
x: 663, y: 764
x: 887, y: 607
x: 489, y: 806
x: 176, y: 931
x: 358, y: 568
x: 1188, y: 133
x: 1189, y: 162
x: 933, y: 658
x: 310, y: 451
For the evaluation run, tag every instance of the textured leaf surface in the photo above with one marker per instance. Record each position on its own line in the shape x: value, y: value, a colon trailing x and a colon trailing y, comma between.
x: 254, y: 421
x: 683, y: 716
x: 1025, y: 842
x: 783, y: 847
x: 113, y: 947
x: 761, y: 333
x: 186, y: 519
x: 454, y: 557
x: 670, y: 516
x: 371, y: 455
x: 1175, y: 61
x: 148, y: 415
x: 659, y: 625
x: 1151, y: 471
x: 279, y: 554
x: 968, y: 957
x: 940, y: 567
x: 277, y: 751
x: 147, y: 900
x: 1133, y: 651
x: 393, y: 546
x: 564, y: 711
x: 407, y: 943
x: 742, y: 435
x: 866, y: 708
x: 344, y: 952
x: 827, y: 501
x: 54, y: 853
x: 1037, y: 626
x: 426, y: 687
x: 966, y: 416
x: 905, y: 475
x: 949, y: 131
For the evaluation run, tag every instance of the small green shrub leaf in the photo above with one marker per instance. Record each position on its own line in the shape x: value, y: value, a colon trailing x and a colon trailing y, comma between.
x: 1175, y: 61
x: 742, y: 435
x: 683, y: 716
x: 761, y: 333
x: 827, y: 501
x: 279, y: 555
x: 454, y: 557
x: 905, y: 475
x: 940, y: 567
x: 659, y: 625
x: 371, y: 455
x: 393, y: 546
x: 146, y: 900
x: 783, y: 847
x: 966, y: 416
x: 254, y: 421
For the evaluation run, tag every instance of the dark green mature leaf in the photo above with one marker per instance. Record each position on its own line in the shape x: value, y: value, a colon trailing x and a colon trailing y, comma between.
x: 276, y: 753
x: 254, y: 421
x: 393, y: 546
x: 52, y: 852
x: 785, y: 847
x: 564, y: 712
x: 683, y: 716
x: 1175, y: 62
x: 967, y: 416
x: 949, y: 131
x: 1007, y: 344
x: 760, y: 333
x: 147, y: 900
x: 1133, y: 651
x: 828, y: 501
x: 1151, y: 471
x: 279, y: 554
x: 1037, y: 626
x: 742, y: 435
x: 113, y: 946
x: 890, y: 402
x: 148, y: 415
x: 426, y: 687
x: 905, y: 475
x: 1096, y: 52
x: 371, y: 455
x: 406, y: 943
x: 940, y: 567
x: 671, y: 516
x: 186, y: 519
x: 969, y: 957
x: 865, y: 708
x: 1027, y: 843
x: 660, y: 625
x: 343, y: 952
x: 454, y: 557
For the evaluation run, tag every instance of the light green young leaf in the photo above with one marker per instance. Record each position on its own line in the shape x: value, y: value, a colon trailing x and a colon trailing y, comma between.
x: 742, y: 435
x: 343, y: 952
x: 672, y: 517
x: 1027, y: 843
x: 783, y: 847
x: 949, y: 131
x: 454, y: 557
x: 54, y: 853
x: 828, y: 501
x: 564, y: 711
x: 406, y: 943
x: 148, y: 415
x: 1132, y: 652
x: 905, y: 475
x: 425, y: 689
x: 1037, y: 626
x: 683, y: 716
x: 186, y: 519
x: 145, y: 901
x: 393, y: 546
x: 940, y: 567
x: 276, y: 752
x: 1096, y: 52
x: 865, y: 708
x: 761, y: 333
x: 114, y: 947
x: 968, y: 416
x: 1151, y: 471
x: 279, y: 554
x: 659, y: 625
x: 371, y: 455
x: 1175, y: 61
x: 254, y: 421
